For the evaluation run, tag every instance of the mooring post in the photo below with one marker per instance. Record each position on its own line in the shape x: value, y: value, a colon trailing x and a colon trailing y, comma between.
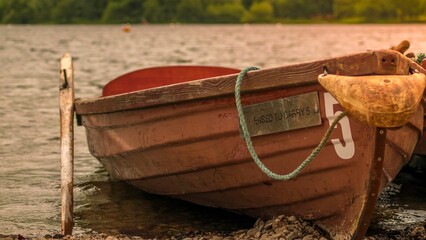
x: 66, y: 109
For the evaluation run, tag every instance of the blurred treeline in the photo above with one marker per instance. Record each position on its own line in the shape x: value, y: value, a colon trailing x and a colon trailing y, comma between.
x: 210, y: 11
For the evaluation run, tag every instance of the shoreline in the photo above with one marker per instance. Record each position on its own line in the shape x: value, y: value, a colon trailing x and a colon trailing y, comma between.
x: 280, y: 228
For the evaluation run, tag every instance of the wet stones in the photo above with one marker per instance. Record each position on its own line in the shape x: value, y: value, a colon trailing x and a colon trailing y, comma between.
x: 279, y: 228
x: 409, y: 233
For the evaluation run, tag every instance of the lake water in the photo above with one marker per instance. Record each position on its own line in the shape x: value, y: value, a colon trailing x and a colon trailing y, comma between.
x: 29, y: 120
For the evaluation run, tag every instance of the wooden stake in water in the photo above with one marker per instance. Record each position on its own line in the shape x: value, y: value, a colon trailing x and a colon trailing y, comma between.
x: 66, y: 108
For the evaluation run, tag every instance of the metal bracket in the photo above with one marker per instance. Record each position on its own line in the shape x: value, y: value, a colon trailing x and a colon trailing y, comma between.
x: 64, y: 81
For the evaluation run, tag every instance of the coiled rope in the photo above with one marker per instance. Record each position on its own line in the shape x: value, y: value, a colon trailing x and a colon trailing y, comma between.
x: 246, y: 135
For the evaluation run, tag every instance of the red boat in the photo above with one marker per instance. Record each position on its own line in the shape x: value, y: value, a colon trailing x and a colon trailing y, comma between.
x: 175, y: 131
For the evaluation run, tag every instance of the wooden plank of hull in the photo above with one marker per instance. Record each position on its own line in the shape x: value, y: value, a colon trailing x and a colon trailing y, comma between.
x: 192, y: 149
x: 198, y: 172
x: 199, y: 176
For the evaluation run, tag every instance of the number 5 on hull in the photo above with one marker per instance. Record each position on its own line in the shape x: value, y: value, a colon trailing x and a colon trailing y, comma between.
x: 345, y: 149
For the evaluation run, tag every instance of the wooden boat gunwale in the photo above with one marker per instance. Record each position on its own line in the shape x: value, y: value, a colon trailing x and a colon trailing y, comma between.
x: 173, y: 74
x: 271, y: 79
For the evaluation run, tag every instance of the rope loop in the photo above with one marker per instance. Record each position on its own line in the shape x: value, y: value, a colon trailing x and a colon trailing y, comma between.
x: 246, y: 135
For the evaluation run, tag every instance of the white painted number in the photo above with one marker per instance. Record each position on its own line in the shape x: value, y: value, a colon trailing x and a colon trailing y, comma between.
x: 345, y: 150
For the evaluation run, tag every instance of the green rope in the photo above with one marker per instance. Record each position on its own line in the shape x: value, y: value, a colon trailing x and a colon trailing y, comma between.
x: 249, y: 143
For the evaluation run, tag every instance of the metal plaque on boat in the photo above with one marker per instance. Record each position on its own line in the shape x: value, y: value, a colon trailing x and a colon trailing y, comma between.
x: 283, y: 114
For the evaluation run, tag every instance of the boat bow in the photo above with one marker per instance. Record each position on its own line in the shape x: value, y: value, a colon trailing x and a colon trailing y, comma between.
x: 381, y: 100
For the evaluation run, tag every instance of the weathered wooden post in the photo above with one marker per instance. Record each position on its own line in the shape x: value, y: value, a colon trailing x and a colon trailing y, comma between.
x: 66, y: 108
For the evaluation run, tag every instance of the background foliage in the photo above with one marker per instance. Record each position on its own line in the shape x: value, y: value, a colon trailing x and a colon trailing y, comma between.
x: 210, y: 11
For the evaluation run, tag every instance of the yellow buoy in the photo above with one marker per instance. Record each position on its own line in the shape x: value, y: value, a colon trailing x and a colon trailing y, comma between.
x: 380, y: 100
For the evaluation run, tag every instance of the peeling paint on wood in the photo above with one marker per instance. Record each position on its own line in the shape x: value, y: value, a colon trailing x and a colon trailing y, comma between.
x: 66, y: 108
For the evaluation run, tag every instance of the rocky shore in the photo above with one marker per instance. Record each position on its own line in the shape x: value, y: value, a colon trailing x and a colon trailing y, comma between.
x: 279, y: 228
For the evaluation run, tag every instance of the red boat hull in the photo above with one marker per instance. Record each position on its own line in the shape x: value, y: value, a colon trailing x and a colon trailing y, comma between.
x: 184, y: 141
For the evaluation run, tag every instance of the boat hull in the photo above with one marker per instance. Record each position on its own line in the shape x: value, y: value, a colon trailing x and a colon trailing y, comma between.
x: 193, y: 150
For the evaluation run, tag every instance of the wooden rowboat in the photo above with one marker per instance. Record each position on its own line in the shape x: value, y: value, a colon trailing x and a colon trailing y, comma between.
x: 175, y: 131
